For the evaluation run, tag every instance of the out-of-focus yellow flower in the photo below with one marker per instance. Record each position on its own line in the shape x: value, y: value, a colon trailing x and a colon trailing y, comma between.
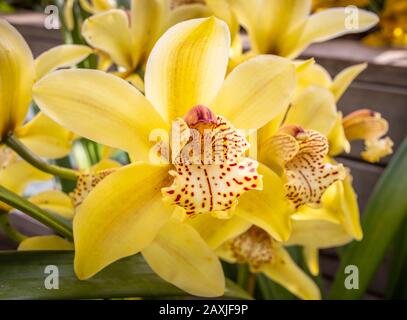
x: 286, y: 28
x: 393, y: 26
x: 64, y: 205
x: 324, y: 4
x: 129, y: 41
x: 18, y: 73
x: 313, y: 84
x: 16, y: 174
x: 263, y: 254
x: 90, y: 6
x: 185, y: 76
x: 237, y: 241
x: 369, y: 126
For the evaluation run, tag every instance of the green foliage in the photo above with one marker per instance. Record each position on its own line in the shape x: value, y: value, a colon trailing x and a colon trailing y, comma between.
x: 383, y: 218
x: 22, y: 277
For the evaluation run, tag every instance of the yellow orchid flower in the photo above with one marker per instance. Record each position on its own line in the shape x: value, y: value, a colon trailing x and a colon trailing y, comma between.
x: 185, y: 76
x: 306, y: 188
x: 128, y: 42
x: 263, y: 254
x: 237, y: 241
x: 286, y: 28
x: 18, y: 73
x: 314, y: 82
x: 313, y: 107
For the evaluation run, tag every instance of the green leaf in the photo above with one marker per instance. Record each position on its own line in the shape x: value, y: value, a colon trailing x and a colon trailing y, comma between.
x: 22, y: 277
x: 383, y: 217
x: 397, y: 284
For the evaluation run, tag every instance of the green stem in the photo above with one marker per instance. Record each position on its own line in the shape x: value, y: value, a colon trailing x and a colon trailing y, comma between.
x: 35, y: 212
x: 37, y: 162
x: 8, y: 228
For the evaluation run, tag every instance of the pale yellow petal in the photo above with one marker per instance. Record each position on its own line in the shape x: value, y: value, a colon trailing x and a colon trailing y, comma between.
x: 223, y: 11
x: 351, y: 214
x: 187, y: 66
x: 120, y: 114
x: 120, y: 217
x: 314, y: 75
x: 311, y: 259
x: 105, y: 164
x: 225, y: 253
x: 267, y: 22
x: 55, y: 201
x: 62, y: 56
x: 330, y: 210
x: 337, y: 138
x: 16, y: 176
x: 376, y: 149
x: 318, y: 234
x: 269, y: 209
x: 147, y: 19
x: 109, y: 31
x: 45, y: 137
x: 285, y: 272
x: 345, y: 78
x: 180, y: 256
x: 45, y: 243
x: 314, y: 108
x: 187, y: 12
x: 217, y: 231
x: 333, y: 23
x: 16, y: 77
x: 256, y: 91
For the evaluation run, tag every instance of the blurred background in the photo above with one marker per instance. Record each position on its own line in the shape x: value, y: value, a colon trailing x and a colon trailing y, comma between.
x: 382, y: 87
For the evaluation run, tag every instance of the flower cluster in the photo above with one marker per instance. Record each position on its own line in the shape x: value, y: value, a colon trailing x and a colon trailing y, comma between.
x: 230, y: 151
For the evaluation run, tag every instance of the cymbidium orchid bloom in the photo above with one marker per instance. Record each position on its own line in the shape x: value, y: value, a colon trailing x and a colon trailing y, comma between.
x: 237, y: 241
x: 263, y: 254
x: 186, y: 89
x: 335, y: 221
x: 64, y: 205
x: 128, y: 41
x: 18, y: 73
x: 286, y: 28
x: 308, y: 189
x: 367, y: 125
x: 317, y: 89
